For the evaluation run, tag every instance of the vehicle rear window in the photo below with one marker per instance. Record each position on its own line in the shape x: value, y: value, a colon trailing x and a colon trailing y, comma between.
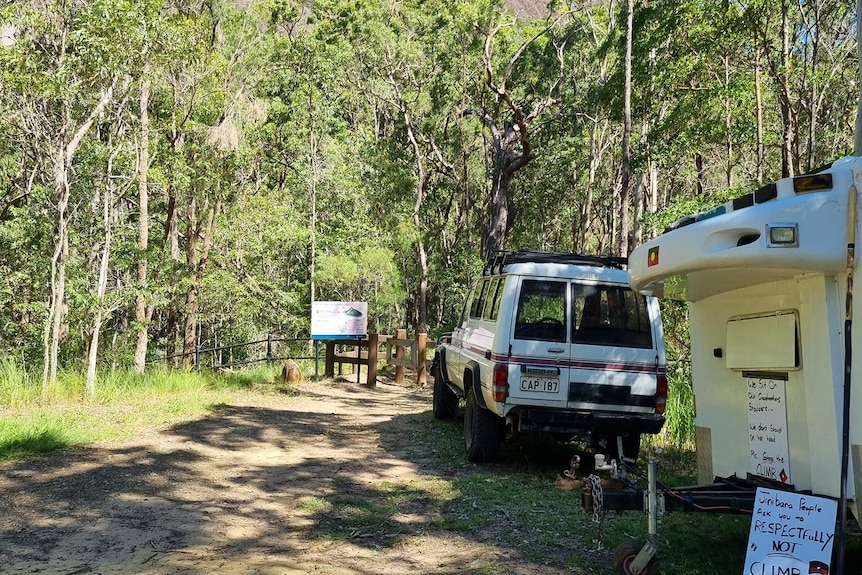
x: 610, y: 315
x: 541, y: 311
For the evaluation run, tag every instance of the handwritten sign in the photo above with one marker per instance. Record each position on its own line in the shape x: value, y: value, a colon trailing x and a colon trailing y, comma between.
x: 791, y: 534
x: 767, y: 429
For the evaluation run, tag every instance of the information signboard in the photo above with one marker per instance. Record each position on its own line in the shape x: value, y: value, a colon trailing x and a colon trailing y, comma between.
x: 791, y: 534
x: 339, y: 319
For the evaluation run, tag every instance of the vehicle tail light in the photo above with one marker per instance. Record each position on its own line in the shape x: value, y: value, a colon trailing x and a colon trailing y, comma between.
x: 661, y: 394
x: 501, y: 381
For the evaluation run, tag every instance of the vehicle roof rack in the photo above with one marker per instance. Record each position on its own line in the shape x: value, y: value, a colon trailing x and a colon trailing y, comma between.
x: 498, y: 259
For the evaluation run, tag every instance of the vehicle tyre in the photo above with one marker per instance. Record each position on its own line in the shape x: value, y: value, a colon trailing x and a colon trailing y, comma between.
x: 625, y: 553
x: 444, y: 401
x: 483, y: 431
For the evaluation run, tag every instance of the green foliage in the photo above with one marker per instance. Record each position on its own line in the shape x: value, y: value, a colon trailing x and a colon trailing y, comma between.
x: 125, y: 404
x: 341, y: 125
x: 660, y: 220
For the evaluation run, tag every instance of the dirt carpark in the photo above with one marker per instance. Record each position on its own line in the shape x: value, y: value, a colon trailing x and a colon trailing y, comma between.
x: 239, y: 491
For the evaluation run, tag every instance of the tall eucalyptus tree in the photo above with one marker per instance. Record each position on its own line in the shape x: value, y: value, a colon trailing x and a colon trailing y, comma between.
x: 62, y: 72
x: 523, y: 85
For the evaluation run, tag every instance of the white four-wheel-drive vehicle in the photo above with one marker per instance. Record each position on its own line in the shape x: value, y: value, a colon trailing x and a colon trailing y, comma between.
x: 554, y: 343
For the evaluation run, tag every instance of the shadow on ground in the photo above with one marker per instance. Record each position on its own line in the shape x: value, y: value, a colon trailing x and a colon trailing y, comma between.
x: 347, y: 478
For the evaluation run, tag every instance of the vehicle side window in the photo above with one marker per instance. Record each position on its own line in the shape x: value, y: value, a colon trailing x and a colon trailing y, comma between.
x: 492, y: 302
x: 541, y: 311
x: 478, y: 298
x: 610, y: 315
x: 462, y: 319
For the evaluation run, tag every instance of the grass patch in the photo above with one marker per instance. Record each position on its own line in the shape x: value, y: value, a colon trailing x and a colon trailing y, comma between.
x: 379, y: 515
x: 514, y: 506
x: 125, y: 404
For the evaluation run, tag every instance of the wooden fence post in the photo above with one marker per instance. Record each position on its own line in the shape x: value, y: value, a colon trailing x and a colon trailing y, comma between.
x: 357, y: 367
x: 329, y: 362
x: 372, y: 360
x: 399, y: 354
x: 421, y: 371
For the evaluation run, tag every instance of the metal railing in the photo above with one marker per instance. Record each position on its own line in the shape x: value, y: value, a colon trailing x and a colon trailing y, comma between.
x: 264, y: 354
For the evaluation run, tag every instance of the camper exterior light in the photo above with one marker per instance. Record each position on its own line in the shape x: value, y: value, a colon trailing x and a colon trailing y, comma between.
x: 782, y: 235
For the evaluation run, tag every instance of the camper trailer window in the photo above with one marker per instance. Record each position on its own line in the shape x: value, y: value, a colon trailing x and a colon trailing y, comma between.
x: 610, y: 315
x: 768, y: 342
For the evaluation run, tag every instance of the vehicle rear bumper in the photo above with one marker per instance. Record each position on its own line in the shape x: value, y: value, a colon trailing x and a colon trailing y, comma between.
x: 585, y: 423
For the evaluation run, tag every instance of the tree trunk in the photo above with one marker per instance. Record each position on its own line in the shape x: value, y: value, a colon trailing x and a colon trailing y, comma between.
x: 190, y: 323
x: 142, y: 317
x: 172, y: 244
x: 597, y: 149
x: 421, y: 180
x: 625, y: 168
x: 499, y: 216
x: 63, y: 156
x: 728, y: 125
x: 788, y: 114
x: 759, y: 104
x: 638, y: 201
x: 198, y: 264
x: 58, y: 270
x: 857, y: 139
x: 93, y: 350
x: 314, y: 165
x: 698, y: 168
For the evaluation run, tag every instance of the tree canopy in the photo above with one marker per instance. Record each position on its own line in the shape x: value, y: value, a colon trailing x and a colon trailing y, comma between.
x: 178, y: 171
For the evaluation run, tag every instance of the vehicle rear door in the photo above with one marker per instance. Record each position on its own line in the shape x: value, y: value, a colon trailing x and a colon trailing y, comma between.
x: 613, y: 356
x: 538, y: 363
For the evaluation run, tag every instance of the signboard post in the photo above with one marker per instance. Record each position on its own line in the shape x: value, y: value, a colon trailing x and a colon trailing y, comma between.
x: 767, y: 428
x: 791, y: 534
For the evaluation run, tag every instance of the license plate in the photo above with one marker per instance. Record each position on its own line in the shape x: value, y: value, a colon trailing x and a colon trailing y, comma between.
x: 541, y: 384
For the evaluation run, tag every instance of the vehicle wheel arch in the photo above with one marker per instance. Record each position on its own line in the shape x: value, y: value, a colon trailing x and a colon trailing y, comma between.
x: 440, y: 360
x: 473, y: 380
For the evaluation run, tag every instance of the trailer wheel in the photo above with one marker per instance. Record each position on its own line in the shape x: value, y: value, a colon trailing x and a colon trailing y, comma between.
x: 444, y: 401
x: 483, y: 431
x: 625, y: 553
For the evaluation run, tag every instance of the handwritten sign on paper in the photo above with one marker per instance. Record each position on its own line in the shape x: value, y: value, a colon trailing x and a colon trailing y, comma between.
x: 767, y: 428
x: 791, y: 534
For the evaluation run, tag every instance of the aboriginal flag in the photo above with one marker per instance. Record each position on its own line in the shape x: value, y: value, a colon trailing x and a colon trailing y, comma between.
x: 652, y: 257
x: 818, y: 568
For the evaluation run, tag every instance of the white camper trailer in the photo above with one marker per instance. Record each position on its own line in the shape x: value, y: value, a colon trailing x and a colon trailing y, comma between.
x: 767, y: 278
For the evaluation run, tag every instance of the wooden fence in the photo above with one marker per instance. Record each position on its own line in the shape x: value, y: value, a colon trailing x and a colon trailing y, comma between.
x: 400, y: 352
